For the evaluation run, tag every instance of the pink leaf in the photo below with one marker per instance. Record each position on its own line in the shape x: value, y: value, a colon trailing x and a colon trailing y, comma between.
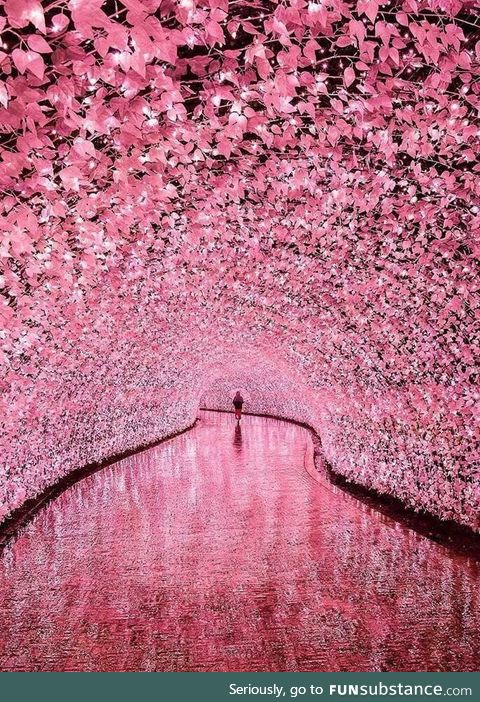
x: 20, y: 59
x: 21, y: 12
x: 3, y: 94
x: 214, y: 33
x: 369, y: 8
x: 59, y: 22
x: 348, y: 76
x: 224, y: 148
x: 70, y: 177
x: 30, y: 60
x: 36, y: 64
x: 39, y: 44
x: 84, y: 147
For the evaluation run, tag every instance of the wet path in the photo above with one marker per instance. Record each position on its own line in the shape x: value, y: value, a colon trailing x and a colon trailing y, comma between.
x: 217, y: 551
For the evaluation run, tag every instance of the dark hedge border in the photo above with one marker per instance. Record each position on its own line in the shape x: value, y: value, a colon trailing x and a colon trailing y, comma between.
x: 21, y: 516
x: 459, y: 538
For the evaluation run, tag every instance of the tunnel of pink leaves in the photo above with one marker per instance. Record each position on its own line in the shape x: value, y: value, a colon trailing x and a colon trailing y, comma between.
x: 205, y: 196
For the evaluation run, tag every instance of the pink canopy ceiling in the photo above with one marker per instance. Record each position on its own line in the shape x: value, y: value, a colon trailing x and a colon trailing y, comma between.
x: 198, y: 190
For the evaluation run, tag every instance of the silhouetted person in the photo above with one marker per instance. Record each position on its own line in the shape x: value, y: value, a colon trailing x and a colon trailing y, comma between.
x: 238, y: 404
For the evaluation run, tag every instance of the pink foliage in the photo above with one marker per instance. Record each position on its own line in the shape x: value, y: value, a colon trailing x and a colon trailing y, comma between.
x: 198, y: 188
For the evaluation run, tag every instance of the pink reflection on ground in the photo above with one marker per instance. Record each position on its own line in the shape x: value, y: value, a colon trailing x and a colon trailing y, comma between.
x: 217, y: 551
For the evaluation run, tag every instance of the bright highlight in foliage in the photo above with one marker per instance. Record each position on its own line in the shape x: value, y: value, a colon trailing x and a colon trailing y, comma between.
x: 192, y: 190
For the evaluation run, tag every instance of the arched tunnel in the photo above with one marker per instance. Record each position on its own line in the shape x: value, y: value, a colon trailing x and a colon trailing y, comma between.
x: 280, y: 198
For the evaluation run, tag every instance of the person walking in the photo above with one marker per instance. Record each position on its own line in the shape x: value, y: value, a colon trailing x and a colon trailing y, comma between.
x: 238, y: 404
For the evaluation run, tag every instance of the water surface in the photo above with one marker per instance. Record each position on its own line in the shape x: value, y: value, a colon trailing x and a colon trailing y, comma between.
x: 217, y: 551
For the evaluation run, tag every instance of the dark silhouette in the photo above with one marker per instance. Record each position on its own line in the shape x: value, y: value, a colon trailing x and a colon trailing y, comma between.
x: 238, y: 404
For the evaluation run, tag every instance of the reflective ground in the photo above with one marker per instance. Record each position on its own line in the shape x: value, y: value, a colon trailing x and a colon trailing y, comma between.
x: 217, y: 551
